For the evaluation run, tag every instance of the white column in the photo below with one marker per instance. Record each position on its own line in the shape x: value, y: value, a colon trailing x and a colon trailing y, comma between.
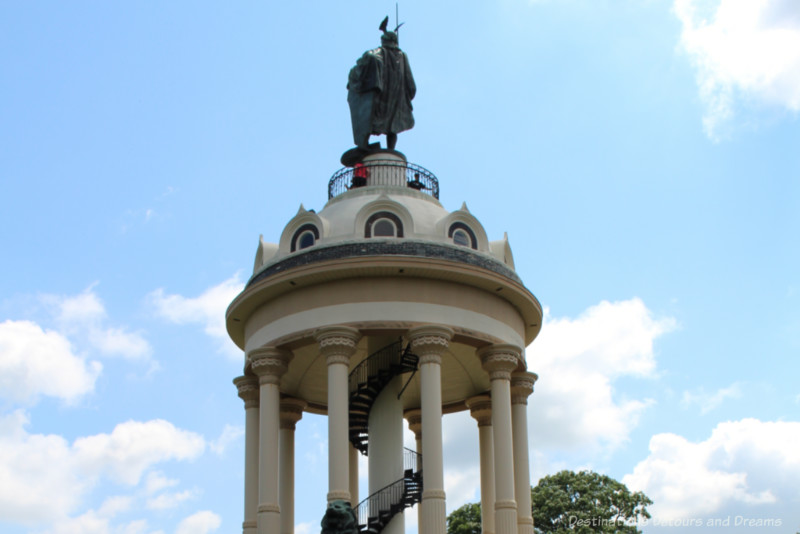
x: 386, y: 447
x: 247, y: 387
x: 354, y: 500
x: 291, y: 413
x: 430, y: 342
x: 414, y: 418
x: 337, y: 344
x: 480, y: 408
x: 499, y: 361
x: 269, y: 364
x: 521, y: 388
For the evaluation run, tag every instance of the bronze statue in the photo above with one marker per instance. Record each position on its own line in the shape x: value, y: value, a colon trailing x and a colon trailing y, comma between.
x: 380, y: 89
x: 339, y: 519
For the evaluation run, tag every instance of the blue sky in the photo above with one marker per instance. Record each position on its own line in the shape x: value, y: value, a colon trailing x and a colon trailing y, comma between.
x: 641, y: 154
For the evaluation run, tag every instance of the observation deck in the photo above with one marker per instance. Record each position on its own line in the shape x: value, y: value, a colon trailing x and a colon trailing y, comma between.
x: 382, y: 173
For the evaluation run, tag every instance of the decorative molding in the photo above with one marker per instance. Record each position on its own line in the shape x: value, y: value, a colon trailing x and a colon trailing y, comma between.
x: 269, y: 363
x: 505, y: 505
x: 428, y: 494
x: 480, y: 408
x: 500, y: 360
x: 522, y: 387
x: 383, y: 248
x: 429, y: 342
x: 414, y: 418
x: 337, y: 343
x: 269, y: 508
x: 291, y: 412
x: 247, y: 387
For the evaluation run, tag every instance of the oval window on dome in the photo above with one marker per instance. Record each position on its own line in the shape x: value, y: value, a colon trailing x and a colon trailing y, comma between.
x: 383, y: 224
x: 384, y: 228
x: 305, y: 236
x: 306, y: 240
x: 462, y: 235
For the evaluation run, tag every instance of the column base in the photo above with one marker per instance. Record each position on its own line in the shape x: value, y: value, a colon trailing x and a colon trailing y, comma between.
x: 269, y: 518
x: 433, y: 517
x: 249, y: 527
x: 525, y: 525
x: 505, y: 517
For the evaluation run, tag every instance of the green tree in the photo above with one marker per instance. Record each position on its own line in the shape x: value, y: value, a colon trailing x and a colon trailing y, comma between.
x: 465, y: 520
x: 584, y: 502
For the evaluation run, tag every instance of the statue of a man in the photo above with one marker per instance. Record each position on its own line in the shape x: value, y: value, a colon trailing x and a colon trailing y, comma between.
x: 380, y: 89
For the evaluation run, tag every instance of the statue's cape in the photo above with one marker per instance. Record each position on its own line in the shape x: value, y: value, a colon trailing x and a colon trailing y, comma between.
x: 380, y: 90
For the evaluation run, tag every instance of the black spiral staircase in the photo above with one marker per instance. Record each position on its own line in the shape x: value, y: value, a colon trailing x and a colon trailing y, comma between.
x: 375, y: 512
x: 366, y: 382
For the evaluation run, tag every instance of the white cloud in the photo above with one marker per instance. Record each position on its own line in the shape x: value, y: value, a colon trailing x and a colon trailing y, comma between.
x: 37, y: 468
x: 575, y: 405
x: 118, y: 341
x: 84, y: 315
x: 165, y: 501
x: 156, y: 481
x: 36, y: 362
x: 199, y: 523
x: 305, y: 528
x: 230, y: 434
x: 742, y: 47
x: 462, y: 486
x: 208, y: 310
x: 99, y: 521
x: 133, y: 446
x: 85, y: 308
x: 460, y: 444
x: 710, y: 401
x: 743, y: 463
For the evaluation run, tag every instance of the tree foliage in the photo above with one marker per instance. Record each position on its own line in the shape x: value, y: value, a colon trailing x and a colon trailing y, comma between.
x: 584, y: 502
x: 465, y: 520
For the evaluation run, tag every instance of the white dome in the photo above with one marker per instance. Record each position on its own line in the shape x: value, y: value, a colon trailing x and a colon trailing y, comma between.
x: 393, y: 204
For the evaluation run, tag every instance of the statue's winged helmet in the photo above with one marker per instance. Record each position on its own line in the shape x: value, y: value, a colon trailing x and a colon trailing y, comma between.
x: 389, y: 38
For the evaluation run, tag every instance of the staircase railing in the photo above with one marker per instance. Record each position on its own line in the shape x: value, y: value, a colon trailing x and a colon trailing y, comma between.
x: 381, y: 360
x: 367, y: 380
x: 378, y: 509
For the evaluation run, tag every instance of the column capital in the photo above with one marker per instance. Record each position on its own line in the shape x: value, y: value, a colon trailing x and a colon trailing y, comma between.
x: 247, y: 387
x: 269, y: 363
x: 291, y: 412
x: 337, y: 343
x: 414, y: 418
x: 522, y: 386
x: 429, y: 342
x: 480, y: 408
x: 500, y: 360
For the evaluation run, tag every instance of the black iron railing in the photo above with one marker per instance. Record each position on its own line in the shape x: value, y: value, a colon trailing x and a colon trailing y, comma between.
x: 378, y: 509
x: 390, y: 358
x: 383, y: 173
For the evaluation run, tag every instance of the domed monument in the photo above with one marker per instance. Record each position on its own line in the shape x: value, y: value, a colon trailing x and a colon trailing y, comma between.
x: 383, y: 306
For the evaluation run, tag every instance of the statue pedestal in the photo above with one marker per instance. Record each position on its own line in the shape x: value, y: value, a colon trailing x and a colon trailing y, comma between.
x: 386, y: 167
x: 359, y: 155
